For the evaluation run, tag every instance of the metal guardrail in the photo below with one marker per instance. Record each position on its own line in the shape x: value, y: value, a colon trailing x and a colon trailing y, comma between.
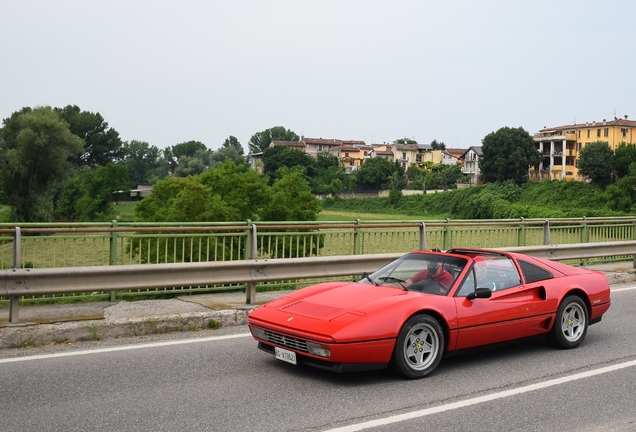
x: 89, y: 244
x: 18, y: 282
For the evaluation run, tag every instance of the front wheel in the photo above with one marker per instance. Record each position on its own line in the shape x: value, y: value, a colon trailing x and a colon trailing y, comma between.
x: 571, y: 324
x: 419, y: 347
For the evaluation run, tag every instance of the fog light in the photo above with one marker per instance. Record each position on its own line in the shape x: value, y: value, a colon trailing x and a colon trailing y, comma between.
x: 318, y: 349
x: 259, y: 333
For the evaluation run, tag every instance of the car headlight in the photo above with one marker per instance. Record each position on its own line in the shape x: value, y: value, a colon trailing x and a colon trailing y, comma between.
x: 259, y: 333
x: 318, y: 349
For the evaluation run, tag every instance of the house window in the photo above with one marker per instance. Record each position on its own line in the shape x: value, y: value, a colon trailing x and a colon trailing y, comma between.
x: 579, y: 134
x: 606, y: 132
x: 346, y: 154
x: 404, y: 155
x: 588, y: 133
x: 598, y: 133
x: 320, y: 147
x: 624, y: 132
x: 365, y: 153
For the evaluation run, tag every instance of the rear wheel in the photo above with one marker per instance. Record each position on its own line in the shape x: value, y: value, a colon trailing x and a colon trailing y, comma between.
x: 419, y: 347
x: 571, y: 323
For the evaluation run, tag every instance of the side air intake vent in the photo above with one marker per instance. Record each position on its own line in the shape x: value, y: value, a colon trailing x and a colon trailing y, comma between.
x: 533, y: 273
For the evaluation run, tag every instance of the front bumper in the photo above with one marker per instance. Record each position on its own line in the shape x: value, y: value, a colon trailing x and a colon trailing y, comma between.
x: 306, y: 360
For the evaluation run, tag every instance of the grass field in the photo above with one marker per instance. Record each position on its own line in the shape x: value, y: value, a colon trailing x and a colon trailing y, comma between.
x: 124, y: 212
x: 4, y: 213
x: 335, y: 215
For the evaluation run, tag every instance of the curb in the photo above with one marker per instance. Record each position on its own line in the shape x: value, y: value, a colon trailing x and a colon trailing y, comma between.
x: 23, y: 336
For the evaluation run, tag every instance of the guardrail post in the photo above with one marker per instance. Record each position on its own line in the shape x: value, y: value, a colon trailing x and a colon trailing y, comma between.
x: 634, y: 261
x: 447, y: 236
x: 357, y: 239
x: 546, y: 232
x: 584, y: 238
x: 422, y: 236
x: 14, y: 301
x: 113, y: 255
x: 584, y: 232
x: 252, y: 245
x: 521, y: 237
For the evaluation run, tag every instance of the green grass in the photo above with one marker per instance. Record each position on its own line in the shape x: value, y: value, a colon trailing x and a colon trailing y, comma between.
x: 342, y: 215
x: 5, y: 212
x: 124, y: 212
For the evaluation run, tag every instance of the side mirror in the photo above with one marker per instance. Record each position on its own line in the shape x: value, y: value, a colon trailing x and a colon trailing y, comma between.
x: 479, y: 293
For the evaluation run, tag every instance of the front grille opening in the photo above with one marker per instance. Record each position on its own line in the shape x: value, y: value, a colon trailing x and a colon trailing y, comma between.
x: 293, y: 343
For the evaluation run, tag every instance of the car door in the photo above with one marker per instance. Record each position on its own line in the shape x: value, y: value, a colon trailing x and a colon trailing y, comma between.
x: 504, y: 316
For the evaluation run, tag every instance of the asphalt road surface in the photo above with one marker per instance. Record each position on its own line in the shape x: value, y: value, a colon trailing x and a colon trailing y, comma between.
x: 220, y: 381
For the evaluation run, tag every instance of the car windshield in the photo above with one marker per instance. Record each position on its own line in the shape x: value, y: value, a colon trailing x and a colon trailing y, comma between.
x: 430, y: 273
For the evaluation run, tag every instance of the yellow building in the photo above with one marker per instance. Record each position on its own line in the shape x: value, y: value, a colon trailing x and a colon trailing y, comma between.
x: 560, y: 146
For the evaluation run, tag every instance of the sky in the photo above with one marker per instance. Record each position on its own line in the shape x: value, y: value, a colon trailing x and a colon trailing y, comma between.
x: 166, y: 72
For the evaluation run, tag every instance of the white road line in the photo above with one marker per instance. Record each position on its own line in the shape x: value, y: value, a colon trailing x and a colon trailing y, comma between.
x: 629, y: 288
x: 124, y: 348
x: 481, y: 399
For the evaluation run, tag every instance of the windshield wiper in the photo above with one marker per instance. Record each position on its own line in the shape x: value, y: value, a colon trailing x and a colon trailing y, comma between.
x: 366, y: 276
x: 394, y: 279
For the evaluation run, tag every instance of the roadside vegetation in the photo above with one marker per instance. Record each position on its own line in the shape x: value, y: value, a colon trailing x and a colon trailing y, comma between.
x: 548, y: 199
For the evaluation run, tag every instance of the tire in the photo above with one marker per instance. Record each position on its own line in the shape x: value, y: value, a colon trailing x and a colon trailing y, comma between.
x: 570, y: 327
x: 419, y: 347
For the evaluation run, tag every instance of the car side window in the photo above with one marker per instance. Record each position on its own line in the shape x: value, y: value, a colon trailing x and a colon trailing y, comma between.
x: 504, y: 273
x: 493, y: 272
x: 468, y: 285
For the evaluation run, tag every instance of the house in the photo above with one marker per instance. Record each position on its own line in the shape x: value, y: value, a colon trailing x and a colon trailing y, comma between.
x: 381, y: 150
x: 448, y: 159
x: 298, y: 145
x: 561, y: 145
x: 351, y: 157
x: 452, y: 156
x: 313, y: 146
x: 470, y: 163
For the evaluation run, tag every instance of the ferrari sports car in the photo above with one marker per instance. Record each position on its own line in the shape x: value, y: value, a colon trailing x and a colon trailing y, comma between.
x: 428, y: 304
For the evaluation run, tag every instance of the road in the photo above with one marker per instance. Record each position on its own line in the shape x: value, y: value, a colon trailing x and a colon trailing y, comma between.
x: 219, y: 381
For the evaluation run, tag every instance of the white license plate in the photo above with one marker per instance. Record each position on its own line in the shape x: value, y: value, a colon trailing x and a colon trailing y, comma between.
x: 285, y: 355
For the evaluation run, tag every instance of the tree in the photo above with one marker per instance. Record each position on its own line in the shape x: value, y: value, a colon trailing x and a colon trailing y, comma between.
x: 231, y: 149
x: 141, y: 159
x: 596, y: 162
x: 621, y: 195
x: 291, y: 199
x: 188, y: 166
x: 261, y: 140
x: 374, y: 173
x: 33, y: 161
x: 242, y: 188
x: 277, y: 157
x: 415, y: 177
x: 435, y: 145
x: 507, y: 155
x: 624, y: 156
x: 449, y: 175
x: 102, y: 144
x: 188, y: 148
x: 87, y: 196
x: 233, y: 142
x: 404, y: 141
x: 326, y: 175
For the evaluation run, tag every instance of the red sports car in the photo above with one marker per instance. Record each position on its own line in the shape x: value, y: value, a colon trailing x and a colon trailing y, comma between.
x: 426, y: 304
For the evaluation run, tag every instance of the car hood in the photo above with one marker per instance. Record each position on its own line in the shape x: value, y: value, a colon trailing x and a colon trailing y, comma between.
x: 324, y: 309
